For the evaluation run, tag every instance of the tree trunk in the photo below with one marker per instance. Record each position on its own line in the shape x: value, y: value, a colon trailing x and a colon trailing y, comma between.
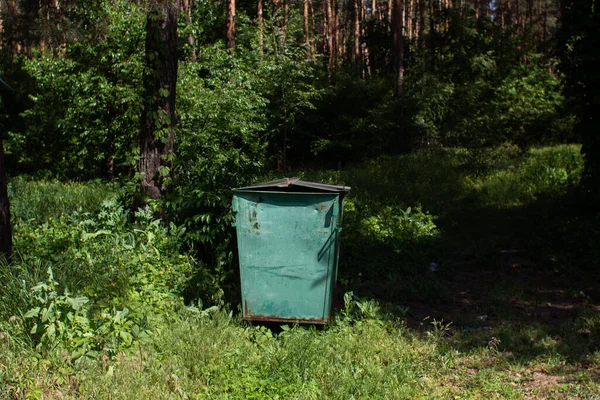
x: 5, y: 228
x: 186, y: 7
x: 365, y: 48
x: 260, y: 26
x: 421, y: 30
x: 285, y: 22
x: 357, y: 55
x: 230, y: 25
x: 331, y: 39
x: 398, y: 43
x: 306, y: 25
x: 158, y: 116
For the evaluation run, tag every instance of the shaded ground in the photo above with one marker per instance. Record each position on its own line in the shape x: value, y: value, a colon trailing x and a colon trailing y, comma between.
x: 528, y: 315
x: 513, y: 289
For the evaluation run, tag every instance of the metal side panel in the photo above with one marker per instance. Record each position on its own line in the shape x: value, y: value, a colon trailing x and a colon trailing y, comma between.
x: 287, y: 250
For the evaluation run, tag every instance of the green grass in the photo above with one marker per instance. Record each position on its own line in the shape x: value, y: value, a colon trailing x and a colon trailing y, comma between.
x: 216, y: 356
x: 41, y: 200
x: 487, y: 324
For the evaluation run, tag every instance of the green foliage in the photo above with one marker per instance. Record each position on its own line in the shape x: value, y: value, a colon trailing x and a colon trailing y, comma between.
x: 143, y: 340
x: 62, y: 322
x: 127, y: 271
x: 550, y: 171
x: 471, y: 88
x: 85, y: 108
x: 39, y: 200
x: 221, y: 120
x: 397, y: 224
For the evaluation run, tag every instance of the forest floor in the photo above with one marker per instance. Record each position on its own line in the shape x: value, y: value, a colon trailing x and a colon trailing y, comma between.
x: 521, y: 302
x: 493, y: 295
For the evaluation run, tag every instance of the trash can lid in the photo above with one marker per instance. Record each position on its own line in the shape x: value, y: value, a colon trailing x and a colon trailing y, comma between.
x: 296, y: 185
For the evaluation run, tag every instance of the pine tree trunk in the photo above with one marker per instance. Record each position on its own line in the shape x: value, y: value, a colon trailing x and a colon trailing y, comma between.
x: 357, y: 55
x: 398, y: 43
x: 158, y: 116
x: 260, y: 26
x: 230, y: 38
x: 5, y: 227
x: 306, y: 28
x: 421, y: 30
x: 331, y: 39
x: 365, y: 48
x: 186, y: 7
x: 285, y: 21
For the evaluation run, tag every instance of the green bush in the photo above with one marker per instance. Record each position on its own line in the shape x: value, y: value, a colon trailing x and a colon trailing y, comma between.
x: 118, y: 272
x: 546, y: 171
x: 39, y: 200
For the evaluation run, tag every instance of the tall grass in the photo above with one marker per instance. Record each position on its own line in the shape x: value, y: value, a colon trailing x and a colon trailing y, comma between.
x: 42, y: 212
x: 548, y: 171
x: 40, y: 200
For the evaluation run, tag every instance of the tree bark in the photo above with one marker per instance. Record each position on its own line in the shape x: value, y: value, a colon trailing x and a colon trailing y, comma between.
x: 306, y: 29
x: 366, y: 57
x: 5, y: 228
x: 331, y: 39
x: 186, y: 7
x: 421, y: 30
x: 357, y: 55
x: 285, y: 22
x: 157, y: 131
x: 230, y: 25
x: 260, y: 26
x: 398, y: 43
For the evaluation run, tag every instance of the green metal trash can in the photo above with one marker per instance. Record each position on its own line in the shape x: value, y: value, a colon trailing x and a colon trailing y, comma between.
x: 288, y: 235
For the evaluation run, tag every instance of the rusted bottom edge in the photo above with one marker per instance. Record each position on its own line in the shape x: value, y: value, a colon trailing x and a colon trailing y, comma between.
x: 262, y: 318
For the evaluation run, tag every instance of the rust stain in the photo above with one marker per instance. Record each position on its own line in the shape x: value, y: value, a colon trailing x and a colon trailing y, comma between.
x: 246, y: 312
x: 256, y: 226
x: 323, y: 207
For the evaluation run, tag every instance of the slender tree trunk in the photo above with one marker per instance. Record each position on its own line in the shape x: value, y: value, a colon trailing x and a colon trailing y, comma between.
x: 407, y: 18
x: 421, y: 40
x: 398, y: 43
x: 339, y: 33
x: 158, y: 115
x: 286, y: 9
x: 325, y: 46
x: 331, y: 37
x: 230, y: 24
x: 367, y: 71
x: 306, y: 27
x: 6, y: 248
x: 186, y: 7
x: 260, y: 27
x: 414, y: 18
x: 357, y: 55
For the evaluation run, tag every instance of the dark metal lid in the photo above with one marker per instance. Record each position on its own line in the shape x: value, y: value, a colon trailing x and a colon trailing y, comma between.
x: 295, y: 184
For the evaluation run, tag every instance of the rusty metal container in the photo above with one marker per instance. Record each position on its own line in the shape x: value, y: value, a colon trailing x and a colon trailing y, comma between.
x: 288, y: 235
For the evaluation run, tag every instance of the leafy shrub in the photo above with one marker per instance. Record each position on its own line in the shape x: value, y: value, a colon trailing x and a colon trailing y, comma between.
x: 63, y: 322
x: 127, y: 271
x: 84, y: 116
x: 39, y: 200
x: 546, y: 171
x: 396, y: 224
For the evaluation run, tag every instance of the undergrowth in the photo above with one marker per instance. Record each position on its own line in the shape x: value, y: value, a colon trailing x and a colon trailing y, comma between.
x: 93, y: 300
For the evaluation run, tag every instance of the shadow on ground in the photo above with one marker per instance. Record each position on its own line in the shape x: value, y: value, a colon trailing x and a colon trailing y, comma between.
x: 524, y: 279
